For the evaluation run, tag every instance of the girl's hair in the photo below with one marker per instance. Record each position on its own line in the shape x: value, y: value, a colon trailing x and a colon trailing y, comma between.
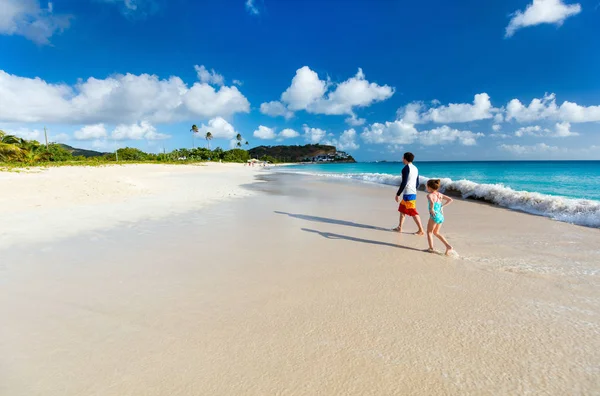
x: 434, y: 184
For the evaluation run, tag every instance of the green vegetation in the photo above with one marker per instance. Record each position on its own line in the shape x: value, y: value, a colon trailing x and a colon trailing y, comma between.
x: 17, y: 152
x: 295, y: 153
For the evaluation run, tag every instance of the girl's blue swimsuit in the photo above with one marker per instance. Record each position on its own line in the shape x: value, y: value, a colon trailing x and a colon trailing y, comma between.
x: 438, y: 215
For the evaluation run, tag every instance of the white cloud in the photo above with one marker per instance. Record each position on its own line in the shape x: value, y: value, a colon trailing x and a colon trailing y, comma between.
x: 313, y: 135
x: 265, y: 133
x: 25, y: 133
x: 306, y: 89
x: 142, y: 131
x: 288, y: 134
x: 238, y: 83
x: 520, y: 150
x: 219, y: 128
x: 354, y: 121
x: 542, y: 11
x: 560, y: 130
x: 395, y: 132
x: 118, y: 99
x: 401, y: 132
x: 275, y: 109
x: 563, y: 130
x: 27, y: 18
x: 346, y: 141
x: 251, y: 8
x: 308, y: 92
x: 500, y: 136
x: 209, y: 76
x: 496, y: 127
x: 91, y: 132
x: 547, y: 109
x: 445, y: 134
x: 480, y: 109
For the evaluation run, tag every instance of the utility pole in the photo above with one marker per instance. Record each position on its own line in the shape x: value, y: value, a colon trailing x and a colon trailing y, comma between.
x: 46, y: 135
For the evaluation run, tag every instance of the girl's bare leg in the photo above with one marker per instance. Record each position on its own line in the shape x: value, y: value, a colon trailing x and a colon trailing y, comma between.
x: 430, y: 226
x: 436, y: 232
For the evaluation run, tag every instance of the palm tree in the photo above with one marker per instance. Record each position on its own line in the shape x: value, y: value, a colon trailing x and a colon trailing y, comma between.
x: 247, y: 144
x: 239, y: 139
x: 239, y: 144
x: 10, y: 149
x: 194, y: 131
x: 209, y: 137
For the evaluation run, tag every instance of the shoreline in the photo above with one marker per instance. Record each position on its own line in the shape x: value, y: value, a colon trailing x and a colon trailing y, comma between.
x: 571, y: 210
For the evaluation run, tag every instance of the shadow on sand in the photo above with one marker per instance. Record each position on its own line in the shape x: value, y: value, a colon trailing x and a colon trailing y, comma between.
x: 334, y: 221
x: 330, y: 235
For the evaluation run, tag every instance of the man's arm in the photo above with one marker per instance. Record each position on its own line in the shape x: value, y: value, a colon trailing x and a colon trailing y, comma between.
x: 405, y: 172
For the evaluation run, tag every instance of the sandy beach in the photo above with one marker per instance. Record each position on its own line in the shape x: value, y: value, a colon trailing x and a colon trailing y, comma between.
x: 226, y: 280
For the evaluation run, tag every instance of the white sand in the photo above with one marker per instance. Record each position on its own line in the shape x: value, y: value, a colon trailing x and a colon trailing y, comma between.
x: 47, y: 204
x: 301, y: 290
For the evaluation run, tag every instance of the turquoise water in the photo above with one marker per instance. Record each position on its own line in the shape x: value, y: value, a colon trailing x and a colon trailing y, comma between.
x: 564, y: 190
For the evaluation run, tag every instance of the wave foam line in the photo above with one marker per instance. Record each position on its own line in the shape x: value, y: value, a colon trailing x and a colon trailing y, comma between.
x: 576, y: 211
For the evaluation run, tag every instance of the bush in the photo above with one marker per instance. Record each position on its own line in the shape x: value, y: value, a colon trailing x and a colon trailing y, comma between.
x: 236, y: 155
x: 132, y: 154
x: 59, y: 153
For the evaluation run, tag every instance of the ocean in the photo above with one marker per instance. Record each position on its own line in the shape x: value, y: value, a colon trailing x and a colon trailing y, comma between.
x: 566, y: 191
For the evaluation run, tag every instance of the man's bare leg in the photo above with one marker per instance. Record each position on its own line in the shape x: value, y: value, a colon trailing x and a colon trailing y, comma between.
x: 399, y: 228
x: 418, y: 221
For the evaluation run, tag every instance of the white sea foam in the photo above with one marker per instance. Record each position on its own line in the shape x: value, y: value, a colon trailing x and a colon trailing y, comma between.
x: 577, y: 211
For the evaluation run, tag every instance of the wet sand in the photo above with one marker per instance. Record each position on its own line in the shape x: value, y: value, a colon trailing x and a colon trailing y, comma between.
x: 299, y: 289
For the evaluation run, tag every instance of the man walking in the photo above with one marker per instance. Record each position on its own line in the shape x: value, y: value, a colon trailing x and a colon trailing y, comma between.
x: 408, y: 192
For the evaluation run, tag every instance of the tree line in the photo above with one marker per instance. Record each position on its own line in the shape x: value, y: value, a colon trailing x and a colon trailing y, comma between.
x: 16, y: 150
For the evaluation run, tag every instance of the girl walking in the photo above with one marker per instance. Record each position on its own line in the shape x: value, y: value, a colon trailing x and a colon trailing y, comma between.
x: 436, y: 214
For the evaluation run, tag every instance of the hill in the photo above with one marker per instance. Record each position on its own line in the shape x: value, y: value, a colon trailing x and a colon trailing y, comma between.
x: 76, y: 152
x: 307, y: 153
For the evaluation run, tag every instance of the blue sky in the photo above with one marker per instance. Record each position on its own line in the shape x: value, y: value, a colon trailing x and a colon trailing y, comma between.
x: 461, y: 80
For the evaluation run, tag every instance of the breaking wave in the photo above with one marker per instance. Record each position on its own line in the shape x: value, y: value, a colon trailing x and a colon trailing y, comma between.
x: 583, y: 212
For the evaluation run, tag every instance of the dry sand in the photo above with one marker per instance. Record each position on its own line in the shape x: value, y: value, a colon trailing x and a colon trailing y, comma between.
x: 300, y: 290
x: 46, y: 204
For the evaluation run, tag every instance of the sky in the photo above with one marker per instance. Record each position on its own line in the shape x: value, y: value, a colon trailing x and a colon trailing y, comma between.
x: 459, y: 80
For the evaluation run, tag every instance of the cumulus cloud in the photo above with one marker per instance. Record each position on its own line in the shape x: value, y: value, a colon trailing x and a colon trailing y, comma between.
x: 446, y: 135
x: 520, y: 150
x: 219, y: 128
x: 26, y: 133
x: 401, y: 132
x: 496, y: 127
x: 209, y: 76
x: 354, y: 121
x: 288, y: 134
x: 118, y: 99
x: 91, y: 132
x: 346, y: 141
x: 540, y: 12
x: 560, y: 130
x: 313, y: 135
x: 142, y: 131
x: 480, y: 109
x: 547, y: 109
x: 265, y: 133
x: 309, y: 93
x: 276, y: 109
x: 27, y: 18
x: 251, y: 7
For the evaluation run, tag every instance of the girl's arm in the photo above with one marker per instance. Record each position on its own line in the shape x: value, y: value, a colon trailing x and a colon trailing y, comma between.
x: 430, y: 199
x: 447, y: 200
